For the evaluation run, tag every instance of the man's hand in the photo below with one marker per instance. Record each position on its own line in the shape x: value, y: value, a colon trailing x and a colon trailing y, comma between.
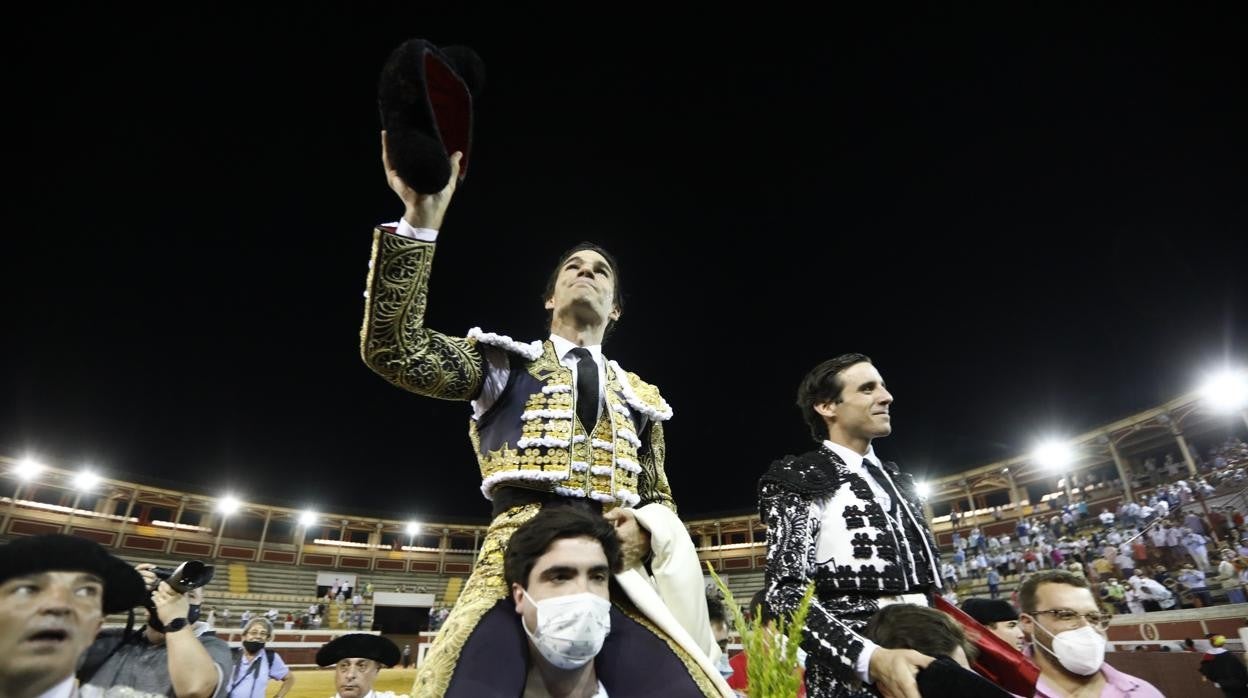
x: 634, y: 540
x: 892, y: 672
x: 422, y: 210
x: 170, y: 604
x: 145, y: 571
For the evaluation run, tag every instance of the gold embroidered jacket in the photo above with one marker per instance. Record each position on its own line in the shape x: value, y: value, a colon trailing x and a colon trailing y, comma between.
x: 530, y: 436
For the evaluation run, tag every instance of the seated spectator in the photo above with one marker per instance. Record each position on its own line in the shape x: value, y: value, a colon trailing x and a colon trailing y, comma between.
x: 933, y: 633
x: 1117, y: 594
x: 254, y: 665
x: 998, y: 616
x: 559, y: 566
x: 357, y: 660
x: 1153, y: 595
x: 1226, y: 568
x: 54, y: 593
x: 1192, y: 581
x: 174, y: 654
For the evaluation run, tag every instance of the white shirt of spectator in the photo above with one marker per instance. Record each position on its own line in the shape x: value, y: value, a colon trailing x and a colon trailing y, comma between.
x: 64, y: 689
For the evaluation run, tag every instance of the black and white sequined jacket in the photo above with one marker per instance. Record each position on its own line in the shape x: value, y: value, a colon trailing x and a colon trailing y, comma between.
x: 825, y: 525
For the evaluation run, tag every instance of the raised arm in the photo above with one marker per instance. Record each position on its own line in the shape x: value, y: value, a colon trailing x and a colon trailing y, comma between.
x: 393, y: 340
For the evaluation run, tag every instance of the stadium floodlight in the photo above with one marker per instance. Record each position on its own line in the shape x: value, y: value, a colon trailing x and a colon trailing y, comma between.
x: 86, y: 480
x: 1054, y: 454
x: 923, y: 489
x: 413, y: 528
x: 307, y: 518
x: 28, y: 469
x: 1226, y: 390
x: 228, y: 505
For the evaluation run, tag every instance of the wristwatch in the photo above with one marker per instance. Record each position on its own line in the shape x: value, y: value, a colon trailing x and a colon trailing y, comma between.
x: 175, y: 625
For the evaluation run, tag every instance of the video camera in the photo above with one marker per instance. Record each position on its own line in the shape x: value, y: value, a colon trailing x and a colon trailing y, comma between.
x: 189, y: 575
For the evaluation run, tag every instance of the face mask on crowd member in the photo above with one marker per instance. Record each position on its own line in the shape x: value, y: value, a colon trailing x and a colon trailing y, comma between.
x: 559, y: 565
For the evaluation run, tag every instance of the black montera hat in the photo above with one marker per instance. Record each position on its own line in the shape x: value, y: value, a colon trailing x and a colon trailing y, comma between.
x: 361, y: 646
x: 989, y: 611
x: 425, y: 96
x: 123, y: 585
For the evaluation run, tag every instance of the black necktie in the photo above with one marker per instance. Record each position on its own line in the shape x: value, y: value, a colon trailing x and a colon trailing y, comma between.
x: 586, y: 388
x: 881, y: 479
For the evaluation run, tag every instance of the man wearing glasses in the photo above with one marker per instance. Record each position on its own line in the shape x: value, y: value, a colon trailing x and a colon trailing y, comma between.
x: 1066, y: 627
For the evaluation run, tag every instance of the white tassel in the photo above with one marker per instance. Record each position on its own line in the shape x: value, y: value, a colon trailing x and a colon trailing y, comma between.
x: 489, y: 483
x: 529, y: 415
x: 629, y: 436
x: 531, y: 351
x: 662, y: 414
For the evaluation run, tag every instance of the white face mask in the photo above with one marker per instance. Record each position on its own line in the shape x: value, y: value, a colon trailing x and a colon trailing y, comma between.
x: 1080, y: 651
x: 570, y: 629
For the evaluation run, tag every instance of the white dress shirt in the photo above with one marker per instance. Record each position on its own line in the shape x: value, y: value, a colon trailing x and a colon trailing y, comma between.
x: 854, y: 463
x: 64, y: 689
x: 401, y: 228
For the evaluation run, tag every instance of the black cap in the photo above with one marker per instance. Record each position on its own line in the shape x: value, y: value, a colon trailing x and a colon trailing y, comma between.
x: 358, y: 646
x: 944, y: 677
x: 989, y: 611
x: 123, y: 585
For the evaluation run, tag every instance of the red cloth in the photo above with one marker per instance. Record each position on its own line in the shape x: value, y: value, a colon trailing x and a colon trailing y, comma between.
x: 739, y: 682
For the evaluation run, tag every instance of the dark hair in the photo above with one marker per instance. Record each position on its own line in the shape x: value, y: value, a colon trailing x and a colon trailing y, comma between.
x: 824, y: 384
x: 716, y: 610
x: 1027, y: 592
x: 913, y: 627
x: 617, y: 296
x: 534, y: 537
x: 758, y: 604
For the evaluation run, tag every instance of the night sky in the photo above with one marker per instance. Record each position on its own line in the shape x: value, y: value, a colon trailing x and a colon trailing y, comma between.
x: 1034, y: 222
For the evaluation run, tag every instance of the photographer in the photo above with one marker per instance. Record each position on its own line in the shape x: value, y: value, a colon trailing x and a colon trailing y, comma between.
x: 173, y: 655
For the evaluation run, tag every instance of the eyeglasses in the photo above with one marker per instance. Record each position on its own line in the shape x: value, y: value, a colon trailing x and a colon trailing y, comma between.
x: 1065, y: 616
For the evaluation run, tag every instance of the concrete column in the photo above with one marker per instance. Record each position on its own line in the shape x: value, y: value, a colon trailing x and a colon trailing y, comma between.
x: 1191, y: 469
x: 268, y: 516
x: 1124, y: 473
x: 121, y: 530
